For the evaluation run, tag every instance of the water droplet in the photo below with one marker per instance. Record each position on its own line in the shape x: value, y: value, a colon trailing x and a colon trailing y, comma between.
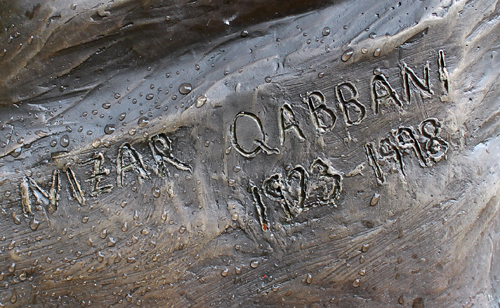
x: 224, y: 272
x: 235, y: 216
x: 30, y: 40
x: 73, y: 6
x: 254, y: 264
x: 143, y: 121
x: 376, y: 53
x: 96, y: 143
x: 64, y: 141
x: 244, y: 33
x: 182, y: 229
x: 364, y: 50
x: 156, y: 192
x: 16, y: 218
x: 122, y: 116
x: 12, y: 267
x: 373, y: 35
x: 109, y: 129
x: 201, y: 100
x: 365, y: 247
x: 117, y: 95
x: 401, y: 300
x: 362, y: 272
x: 125, y: 227
x: 197, y: 67
x: 111, y: 242
x: 356, y: 283
x: 100, y: 256
x: 268, y: 79
x: 164, y: 215
x: 375, y: 199
x: 132, y: 131
x: 326, y: 31
x: 16, y: 152
x: 185, y: 88
x: 309, y: 278
x: 12, y: 244
x: 104, y: 233
x: 85, y: 219
x: 150, y: 96
x: 123, y: 203
x: 34, y: 223
x: 321, y: 74
x: 106, y: 105
x: 347, y: 55
x: 136, y: 215
x: 13, y: 298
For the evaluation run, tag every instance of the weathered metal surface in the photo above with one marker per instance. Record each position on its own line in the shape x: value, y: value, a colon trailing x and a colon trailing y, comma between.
x: 200, y: 154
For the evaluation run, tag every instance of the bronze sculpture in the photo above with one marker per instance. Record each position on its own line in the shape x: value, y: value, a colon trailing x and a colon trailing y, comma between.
x: 217, y: 153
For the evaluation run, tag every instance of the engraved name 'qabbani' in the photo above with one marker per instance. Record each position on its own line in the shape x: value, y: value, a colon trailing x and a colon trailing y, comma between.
x: 427, y: 146
x: 249, y: 153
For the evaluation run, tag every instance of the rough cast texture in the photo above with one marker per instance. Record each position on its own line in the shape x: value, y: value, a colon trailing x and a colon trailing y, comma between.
x: 249, y: 153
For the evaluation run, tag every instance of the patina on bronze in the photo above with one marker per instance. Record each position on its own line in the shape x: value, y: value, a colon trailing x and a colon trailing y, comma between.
x: 249, y: 153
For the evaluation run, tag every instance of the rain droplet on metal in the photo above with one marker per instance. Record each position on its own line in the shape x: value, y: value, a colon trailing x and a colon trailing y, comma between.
x: 64, y: 141
x: 309, y: 278
x: 375, y: 199
x: 185, y: 88
x: 356, y: 283
x: 143, y: 121
x: 201, y: 100
x: 12, y: 267
x: 34, y: 223
x: 150, y: 96
x: 156, y: 192
x: 347, y: 55
x: 326, y: 31
x: 122, y: 116
x: 16, y: 152
x: 376, y: 53
x: 254, y: 264
x: 109, y: 129
x: 268, y: 79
